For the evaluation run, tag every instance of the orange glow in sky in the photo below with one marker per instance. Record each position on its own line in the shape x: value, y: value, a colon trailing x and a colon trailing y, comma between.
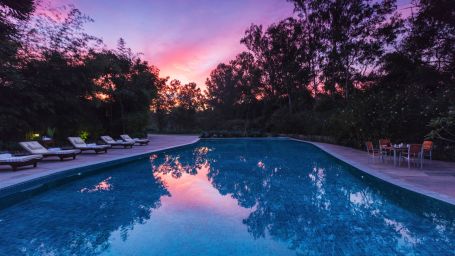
x: 184, y: 39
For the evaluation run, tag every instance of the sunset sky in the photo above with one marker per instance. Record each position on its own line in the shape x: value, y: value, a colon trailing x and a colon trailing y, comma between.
x: 185, y: 39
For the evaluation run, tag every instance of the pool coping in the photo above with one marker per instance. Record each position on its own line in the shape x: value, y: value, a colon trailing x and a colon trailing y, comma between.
x: 34, y: 184
x: 384, y: 177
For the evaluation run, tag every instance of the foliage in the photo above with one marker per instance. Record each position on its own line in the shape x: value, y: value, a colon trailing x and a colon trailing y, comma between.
x: 443, y: 127
x: 346, y: 70
x: 50, y: 132
x: 58, y: 76
x: 176, y: 106
x: 84, y: 135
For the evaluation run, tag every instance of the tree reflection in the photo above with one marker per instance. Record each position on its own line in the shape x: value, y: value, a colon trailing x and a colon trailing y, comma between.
x: 313, y: 203
x: 177, y: 164
x: 316, y: 206
x: 76, y: 219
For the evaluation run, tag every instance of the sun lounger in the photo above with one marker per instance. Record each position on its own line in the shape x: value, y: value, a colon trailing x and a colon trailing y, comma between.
x: 19, y: 161
x: 35, y: 148
x: 127, y: 138
x: 80, y: 144
x: 110, y: 141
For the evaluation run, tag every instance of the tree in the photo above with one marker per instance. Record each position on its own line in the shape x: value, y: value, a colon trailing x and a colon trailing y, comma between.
x: 176, y: 106
x: 354, y: 35
x: 221, y: 91
x: 57, y: 77
x: 125, y: 86
x: 248, y: 79
x: 282, y: 55
x: 443, y: 127
x: 11, y: 12
x: 432, y: 34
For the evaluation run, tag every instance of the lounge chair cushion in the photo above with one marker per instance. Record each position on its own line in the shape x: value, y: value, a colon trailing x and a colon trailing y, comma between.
x: 127, y: 138
x: 5, y: 156
x: 110, y: 140
x: 93, y: 145
x: 8, y: 158
x: 64, y: 152
x: 78, y: 141
x: 33, y: 147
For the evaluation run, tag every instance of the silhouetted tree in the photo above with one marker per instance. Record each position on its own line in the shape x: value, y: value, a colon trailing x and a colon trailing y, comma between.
x: 353, y: 35
x: 282, y: 55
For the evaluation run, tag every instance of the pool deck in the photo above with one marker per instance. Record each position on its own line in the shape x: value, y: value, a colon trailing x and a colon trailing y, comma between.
x: 436, y: 179
x: 52, y: 166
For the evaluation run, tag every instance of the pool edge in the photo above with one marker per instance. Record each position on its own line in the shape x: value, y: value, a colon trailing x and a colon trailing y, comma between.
x: 39, y: 183
x: 383, y: 177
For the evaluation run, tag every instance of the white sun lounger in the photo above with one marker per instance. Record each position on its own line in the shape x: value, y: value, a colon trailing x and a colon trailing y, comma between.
x: 80, y: 144
x: 127, y: 138
x: 35, y: 148
x: 110, y: 141
x: 19, y: 161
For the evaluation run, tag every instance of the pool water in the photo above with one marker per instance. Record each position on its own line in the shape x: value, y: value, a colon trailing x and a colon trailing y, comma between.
x: 229, y: 197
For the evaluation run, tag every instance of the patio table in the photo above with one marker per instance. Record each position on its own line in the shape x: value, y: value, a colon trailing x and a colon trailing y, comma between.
x: 397, y: 150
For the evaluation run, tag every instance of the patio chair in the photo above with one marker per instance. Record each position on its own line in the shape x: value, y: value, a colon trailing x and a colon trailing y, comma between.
x: 372, y: 152
x: 127, y: 138
x: 385, y: 147
x: 413, y: 154
x: 35, y: 148
x: 427, y: 149
x: 19, y: 161
x: 110, y: 141
x: 80, y: 144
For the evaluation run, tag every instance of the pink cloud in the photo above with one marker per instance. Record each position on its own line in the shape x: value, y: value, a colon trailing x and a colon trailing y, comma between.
x: 184, y: 39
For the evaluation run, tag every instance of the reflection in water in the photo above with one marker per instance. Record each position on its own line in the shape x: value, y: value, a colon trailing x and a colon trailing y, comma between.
x: 177, y: 165
x: 103, y: 185
x: 78, y: 218
x: 316, y: 205
x: 229, y: 197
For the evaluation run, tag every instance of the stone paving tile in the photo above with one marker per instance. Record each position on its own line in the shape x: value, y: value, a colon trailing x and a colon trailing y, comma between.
x: 48, y: 166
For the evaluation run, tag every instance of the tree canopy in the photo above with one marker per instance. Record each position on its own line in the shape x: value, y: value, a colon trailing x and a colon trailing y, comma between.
x: 344, y: 71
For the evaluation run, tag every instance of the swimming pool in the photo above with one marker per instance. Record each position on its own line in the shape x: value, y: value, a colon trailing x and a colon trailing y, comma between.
x: 229, y: 197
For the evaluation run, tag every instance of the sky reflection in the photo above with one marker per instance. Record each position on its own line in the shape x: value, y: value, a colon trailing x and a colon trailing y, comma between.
x: 329, y: 209
x: 229, y: 197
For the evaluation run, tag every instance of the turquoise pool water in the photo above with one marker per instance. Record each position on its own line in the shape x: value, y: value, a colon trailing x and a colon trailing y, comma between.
x: 229, y: 197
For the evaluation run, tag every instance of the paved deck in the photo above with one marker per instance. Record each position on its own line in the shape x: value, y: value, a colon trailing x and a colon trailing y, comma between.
x: 436, y: 179
x: 52, y: 166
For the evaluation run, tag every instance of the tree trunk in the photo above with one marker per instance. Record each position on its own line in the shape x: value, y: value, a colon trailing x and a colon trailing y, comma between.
x: 290, y: 102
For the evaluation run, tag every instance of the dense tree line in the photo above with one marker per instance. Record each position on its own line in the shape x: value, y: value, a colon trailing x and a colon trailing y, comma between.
x: 349, y: 71
x: 344, y: 71
x: 55, y: 79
